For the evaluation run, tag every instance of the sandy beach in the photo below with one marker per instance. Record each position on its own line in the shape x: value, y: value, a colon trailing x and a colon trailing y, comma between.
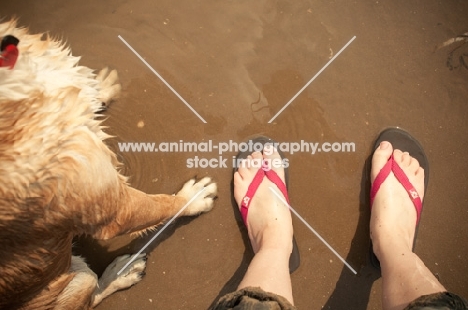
x: 236, y: 64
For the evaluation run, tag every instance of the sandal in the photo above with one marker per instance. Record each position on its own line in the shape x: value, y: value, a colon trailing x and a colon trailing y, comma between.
x: 294, y: 260
x: 403, y: 141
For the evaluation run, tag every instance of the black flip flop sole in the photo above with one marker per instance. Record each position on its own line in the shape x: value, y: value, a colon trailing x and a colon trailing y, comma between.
x: 294, y: 259
x: 401, y: 140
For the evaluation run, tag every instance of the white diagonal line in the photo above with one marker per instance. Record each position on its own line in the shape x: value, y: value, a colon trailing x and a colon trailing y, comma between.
x: 311, y: 80
x: 161, y: 230
x: 161, y: 78
x: 313, y: 230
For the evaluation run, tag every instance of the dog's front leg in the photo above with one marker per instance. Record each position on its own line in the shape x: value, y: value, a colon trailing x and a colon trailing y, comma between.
x: 137, y: 211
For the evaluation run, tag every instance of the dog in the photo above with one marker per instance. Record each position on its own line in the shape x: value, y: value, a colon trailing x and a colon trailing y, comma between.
x: 58, y: 179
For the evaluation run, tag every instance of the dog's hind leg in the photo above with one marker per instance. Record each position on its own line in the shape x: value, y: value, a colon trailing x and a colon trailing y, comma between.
x: 85, y: 291
x: 78, y: 293
x: 111, y: 282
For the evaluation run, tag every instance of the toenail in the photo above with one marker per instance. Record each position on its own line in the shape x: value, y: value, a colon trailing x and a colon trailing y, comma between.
x: 268, y: 149
x: 266, y: 165
x: 384, y: 145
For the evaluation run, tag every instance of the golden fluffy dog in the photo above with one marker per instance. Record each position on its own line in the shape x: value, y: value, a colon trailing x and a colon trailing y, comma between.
x: 58, y: 179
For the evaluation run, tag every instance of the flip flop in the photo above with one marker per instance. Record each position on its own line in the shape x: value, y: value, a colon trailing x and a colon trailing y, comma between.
x: 401, y: 140
x: 294, y: 259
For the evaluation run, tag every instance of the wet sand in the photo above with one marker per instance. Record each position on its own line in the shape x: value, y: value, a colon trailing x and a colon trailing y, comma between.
x: 237, y: 63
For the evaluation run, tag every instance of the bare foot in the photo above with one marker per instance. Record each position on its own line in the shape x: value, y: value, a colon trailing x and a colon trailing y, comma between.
x: 270, y: 228
x: 393, y: 216
x: 269, y: 219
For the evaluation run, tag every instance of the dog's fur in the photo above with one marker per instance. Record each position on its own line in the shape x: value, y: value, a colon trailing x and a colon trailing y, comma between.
x: 58, y: 179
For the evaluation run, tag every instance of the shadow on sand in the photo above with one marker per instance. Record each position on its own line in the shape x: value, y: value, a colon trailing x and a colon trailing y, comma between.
x: 353, y: 291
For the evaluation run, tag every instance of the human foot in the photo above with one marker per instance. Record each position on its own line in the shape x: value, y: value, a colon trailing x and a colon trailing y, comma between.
x: 269, y: 219
x: 393, y: 216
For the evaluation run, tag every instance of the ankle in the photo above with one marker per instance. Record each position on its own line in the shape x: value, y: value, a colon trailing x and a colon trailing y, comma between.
x: 390, y: 241
x: 275, y: 250
x: 275, y: 238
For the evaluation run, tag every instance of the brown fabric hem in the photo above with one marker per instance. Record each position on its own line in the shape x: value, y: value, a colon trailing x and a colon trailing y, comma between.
x: 439, y: 301
x: 251, y: 298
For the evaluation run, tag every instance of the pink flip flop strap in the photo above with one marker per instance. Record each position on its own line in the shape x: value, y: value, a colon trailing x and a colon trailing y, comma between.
x: 392, y: 166
x: 257, y: 180
x: 253, y: 186
x: 274, y: 177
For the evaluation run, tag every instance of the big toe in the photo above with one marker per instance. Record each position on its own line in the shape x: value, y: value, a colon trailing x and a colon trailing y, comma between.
x: 380, y: 158
x: 247, y: 169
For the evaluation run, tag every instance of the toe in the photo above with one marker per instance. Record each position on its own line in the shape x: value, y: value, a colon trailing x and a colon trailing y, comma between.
x: 246, y: 171
x: 412, y: 169
x: 380, y: 158
x: 414, y: 164
x: 273, y: 160
x: 256, y: 162
x: 250, y: 165
x: 402, y: 158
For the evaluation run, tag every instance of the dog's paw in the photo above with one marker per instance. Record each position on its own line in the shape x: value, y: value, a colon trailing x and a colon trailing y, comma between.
x: 112, y: 282
x: 109, y: 86
x: 204, y: 201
